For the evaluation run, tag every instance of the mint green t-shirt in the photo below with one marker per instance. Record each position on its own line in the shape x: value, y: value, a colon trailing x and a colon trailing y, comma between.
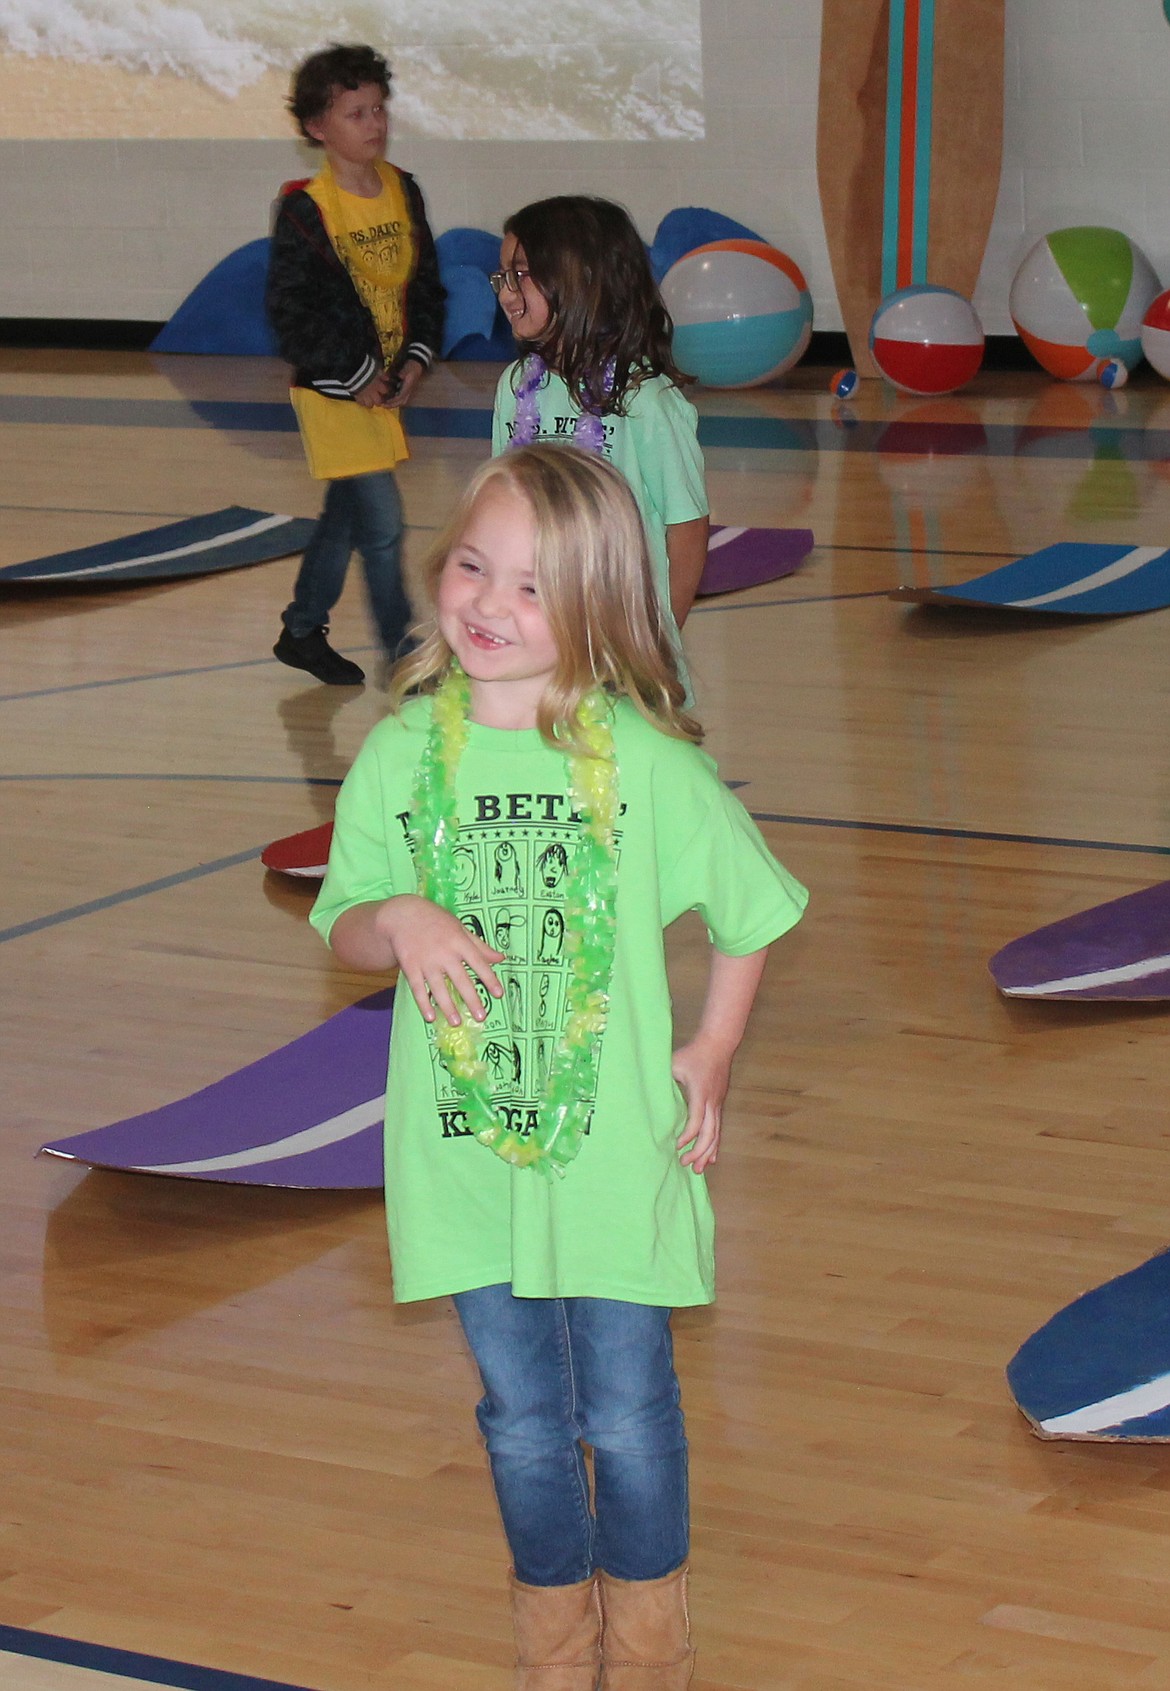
x: 627, y: 1220
x: 655, y: 446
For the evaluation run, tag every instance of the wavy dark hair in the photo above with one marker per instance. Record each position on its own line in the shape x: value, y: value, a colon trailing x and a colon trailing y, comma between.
x: 588, y: 261
x: 316, y: 82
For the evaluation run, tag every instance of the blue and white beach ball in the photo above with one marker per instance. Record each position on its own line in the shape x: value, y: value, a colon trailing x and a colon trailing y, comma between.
x: 742, y: 313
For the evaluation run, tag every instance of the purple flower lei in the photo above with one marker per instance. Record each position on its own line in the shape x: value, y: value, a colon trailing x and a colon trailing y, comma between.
x: 588, y: 430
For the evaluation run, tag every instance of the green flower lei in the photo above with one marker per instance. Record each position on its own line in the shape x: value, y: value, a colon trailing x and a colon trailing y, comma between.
x: 590, y: 926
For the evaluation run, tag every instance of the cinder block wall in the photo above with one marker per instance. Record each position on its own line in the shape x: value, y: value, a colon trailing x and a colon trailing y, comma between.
x: 123, y: 229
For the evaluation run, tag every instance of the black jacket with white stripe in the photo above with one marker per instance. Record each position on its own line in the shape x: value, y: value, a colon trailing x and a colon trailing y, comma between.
x: 322, y: 327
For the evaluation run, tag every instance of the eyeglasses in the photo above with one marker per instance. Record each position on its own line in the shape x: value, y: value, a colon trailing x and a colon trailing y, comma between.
x: 510, y: 279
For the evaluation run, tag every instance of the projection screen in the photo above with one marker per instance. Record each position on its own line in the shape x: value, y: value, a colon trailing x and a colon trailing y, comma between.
x: 498, y: 70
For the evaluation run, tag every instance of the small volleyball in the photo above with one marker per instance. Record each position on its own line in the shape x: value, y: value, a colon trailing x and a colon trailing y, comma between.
x: 1155, y: 334
x: 1079, y: 298
x: 844, y: 384
x: 926, y: 340
x: 742, y: 313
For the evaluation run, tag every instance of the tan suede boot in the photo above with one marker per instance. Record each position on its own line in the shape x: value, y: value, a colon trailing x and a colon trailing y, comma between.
x: 646, y: 1636
x: 558, y: 1636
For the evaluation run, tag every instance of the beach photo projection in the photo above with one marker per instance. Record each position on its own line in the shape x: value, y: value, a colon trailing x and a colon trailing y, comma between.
x: 491, y: 70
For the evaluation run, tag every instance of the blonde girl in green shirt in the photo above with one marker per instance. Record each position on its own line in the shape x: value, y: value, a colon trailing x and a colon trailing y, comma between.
x: 514, y: 839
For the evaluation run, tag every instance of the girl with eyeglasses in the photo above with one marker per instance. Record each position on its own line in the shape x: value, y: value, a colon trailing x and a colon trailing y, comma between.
x: 596, y: 371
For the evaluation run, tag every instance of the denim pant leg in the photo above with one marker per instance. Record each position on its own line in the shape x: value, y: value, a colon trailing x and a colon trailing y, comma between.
x: 528, y: 1419
x: 628, y: 1409
x: 322, y: 573
x: 378, y: 536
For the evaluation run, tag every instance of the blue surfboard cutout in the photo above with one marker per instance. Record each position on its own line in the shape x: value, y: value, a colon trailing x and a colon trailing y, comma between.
x: 1072, y: 578
x: 223, y: 540
x: 1100, y: 1368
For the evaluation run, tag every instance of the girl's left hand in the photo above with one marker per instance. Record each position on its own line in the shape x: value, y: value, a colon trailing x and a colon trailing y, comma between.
x: 408, y: 379
x: 703, y: 1070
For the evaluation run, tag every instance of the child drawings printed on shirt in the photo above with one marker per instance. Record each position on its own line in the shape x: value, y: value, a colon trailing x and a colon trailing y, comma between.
x: 509, y: 924
x: 506, y: 870
x: 552, y: 937
x: 514, y: 867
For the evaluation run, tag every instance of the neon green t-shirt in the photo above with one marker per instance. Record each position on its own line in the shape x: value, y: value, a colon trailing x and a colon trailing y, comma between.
x: 627, y: 1221
x: 655, y: 446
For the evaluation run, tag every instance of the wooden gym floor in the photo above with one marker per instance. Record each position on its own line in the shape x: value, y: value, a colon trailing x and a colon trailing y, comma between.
x: 221, y: 1443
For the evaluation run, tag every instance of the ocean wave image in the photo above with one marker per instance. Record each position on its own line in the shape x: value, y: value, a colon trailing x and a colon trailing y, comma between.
x: 463, y: 69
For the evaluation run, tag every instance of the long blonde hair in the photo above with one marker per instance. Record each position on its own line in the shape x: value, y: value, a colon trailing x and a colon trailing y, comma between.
x: 595, y: 587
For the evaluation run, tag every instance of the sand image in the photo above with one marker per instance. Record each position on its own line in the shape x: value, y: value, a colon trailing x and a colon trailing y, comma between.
x: 466, y: 70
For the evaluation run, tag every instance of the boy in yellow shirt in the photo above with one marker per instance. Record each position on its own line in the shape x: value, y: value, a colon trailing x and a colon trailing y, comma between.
x: 355, y: 299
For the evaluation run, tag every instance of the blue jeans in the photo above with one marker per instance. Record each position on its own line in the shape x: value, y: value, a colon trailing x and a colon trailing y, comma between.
x: 362, y: 512
x: 558, y: 1372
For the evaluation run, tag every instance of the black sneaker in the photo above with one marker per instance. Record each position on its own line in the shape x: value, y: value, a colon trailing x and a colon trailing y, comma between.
x: 313, y: 652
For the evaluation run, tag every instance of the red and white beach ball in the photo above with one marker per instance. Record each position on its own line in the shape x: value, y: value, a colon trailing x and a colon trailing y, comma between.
x: 1155, y: 334
x: 926, y: 340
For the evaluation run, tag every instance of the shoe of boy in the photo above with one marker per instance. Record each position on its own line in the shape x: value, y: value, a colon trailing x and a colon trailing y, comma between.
x: 314, y: 653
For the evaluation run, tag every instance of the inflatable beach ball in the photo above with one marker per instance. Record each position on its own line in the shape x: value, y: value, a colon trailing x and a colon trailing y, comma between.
x: 742, y: 313
x: 926, y: 340
x: 1155, y: 334
x: 1079, y: 298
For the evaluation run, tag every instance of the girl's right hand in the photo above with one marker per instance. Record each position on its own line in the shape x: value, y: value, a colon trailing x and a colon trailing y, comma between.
x: 374, y: 392
x: 439, y: 957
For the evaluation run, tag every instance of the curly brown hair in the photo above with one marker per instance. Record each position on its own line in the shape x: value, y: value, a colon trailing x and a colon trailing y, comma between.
x: 315, y: 83
x: 587, y: 259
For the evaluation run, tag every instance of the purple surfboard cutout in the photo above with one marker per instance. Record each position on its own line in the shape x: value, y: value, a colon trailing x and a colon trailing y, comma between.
x: 309, y: 1116
x: 748, y: 557
x: 1119, y: 950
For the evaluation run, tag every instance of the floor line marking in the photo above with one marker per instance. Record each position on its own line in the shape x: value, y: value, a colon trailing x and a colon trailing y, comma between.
x: 927, y: 830
x: 97, y: 511
x: 131, y: 1664
x: 155, y: 675
x: 110, y: 900
x: 255, y: 663
x: 706, y: 608
x: 919, y: 830
x: 716, y: 431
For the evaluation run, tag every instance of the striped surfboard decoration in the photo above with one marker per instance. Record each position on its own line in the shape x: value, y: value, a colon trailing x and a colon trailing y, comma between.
x: 309, y: 1115
x: 749, y: 557
x: 1100, y: 1368
x: 222, y: 540
x: 909, y: 124
x: 1071, y: 578
x: 1119, y: 950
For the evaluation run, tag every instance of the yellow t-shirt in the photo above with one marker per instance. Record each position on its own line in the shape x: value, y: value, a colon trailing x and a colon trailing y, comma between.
x: 374, y: 241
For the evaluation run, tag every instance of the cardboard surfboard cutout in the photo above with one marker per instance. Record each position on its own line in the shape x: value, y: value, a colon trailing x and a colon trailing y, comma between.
x: 1119, y: 950
x: 223, y: 540
x: 309, y: 1115
x: 749, y: 557
x: 1072, y: 578
x: 305, y: 854
x: 909, y: 147
x: 1100, y: 1368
